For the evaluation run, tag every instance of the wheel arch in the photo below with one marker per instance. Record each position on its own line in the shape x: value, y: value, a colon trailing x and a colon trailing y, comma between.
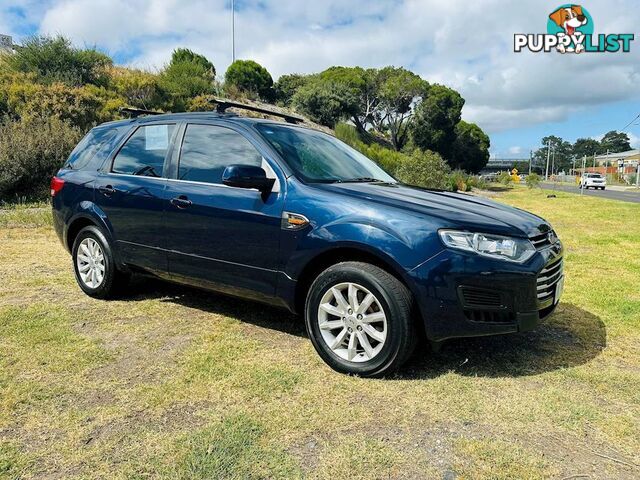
x: 338, y: 254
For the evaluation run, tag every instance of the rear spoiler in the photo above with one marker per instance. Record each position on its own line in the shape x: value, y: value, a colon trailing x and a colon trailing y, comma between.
x: 222, y: 104
x: 138, y: 112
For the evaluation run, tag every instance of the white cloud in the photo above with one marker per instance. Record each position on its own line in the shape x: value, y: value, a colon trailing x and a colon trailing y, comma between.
x: 515, y: 150
x: 467, y: 46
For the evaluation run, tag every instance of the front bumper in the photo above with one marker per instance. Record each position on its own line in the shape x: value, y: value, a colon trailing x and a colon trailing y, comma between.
x: 463, y: 295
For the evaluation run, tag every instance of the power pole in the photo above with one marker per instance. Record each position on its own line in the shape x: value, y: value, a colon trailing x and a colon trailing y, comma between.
x: 584, y: 167
x: 546, y: 174
x: 530, y: 160
x: 233, y: 31
x: 553, y: 161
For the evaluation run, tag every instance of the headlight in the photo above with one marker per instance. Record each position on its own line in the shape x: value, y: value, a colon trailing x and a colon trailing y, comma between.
x: 494, y: 246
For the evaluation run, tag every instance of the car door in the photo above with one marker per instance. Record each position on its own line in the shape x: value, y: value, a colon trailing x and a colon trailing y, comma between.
x: 225, y: 236
x: 131, y: 191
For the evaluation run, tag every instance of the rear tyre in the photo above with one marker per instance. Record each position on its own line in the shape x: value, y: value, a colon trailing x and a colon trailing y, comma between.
x: 94, y: 266
x: 359, y: 319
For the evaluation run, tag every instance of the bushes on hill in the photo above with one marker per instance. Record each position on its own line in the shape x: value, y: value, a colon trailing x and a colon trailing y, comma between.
x: 31, y: 151
x: 424, y: 169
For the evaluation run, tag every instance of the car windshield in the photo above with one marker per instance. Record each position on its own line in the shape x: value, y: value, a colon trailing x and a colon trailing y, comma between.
x: 316, y: 157
x: 595, y: 175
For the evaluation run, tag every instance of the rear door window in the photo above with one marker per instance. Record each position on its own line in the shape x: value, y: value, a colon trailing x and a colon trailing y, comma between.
x: 145, y: 151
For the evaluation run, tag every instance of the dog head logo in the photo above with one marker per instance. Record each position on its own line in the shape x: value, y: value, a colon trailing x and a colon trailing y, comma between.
x: 569, y: 18
x: 570, y: 23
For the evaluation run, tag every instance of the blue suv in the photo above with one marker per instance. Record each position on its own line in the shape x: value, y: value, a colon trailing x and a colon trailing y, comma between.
x: 293, y: 217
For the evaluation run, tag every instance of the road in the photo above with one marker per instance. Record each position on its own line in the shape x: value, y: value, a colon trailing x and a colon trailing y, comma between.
x: 625, y: 196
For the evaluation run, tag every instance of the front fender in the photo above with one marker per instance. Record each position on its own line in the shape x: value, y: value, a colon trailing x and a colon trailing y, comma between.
x: 391, y: 247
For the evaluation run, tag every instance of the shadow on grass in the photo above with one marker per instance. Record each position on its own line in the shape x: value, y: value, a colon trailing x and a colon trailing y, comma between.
x: 571, y: 336
x: 241, y: 309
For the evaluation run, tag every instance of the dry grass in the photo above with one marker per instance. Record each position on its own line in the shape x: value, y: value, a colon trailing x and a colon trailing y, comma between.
x: 176, y: 383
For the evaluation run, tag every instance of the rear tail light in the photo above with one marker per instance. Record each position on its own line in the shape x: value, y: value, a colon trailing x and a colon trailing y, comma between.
x: 56, y: 185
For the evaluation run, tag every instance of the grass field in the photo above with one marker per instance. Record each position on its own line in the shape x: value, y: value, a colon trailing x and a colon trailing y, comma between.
x: 176, y: 383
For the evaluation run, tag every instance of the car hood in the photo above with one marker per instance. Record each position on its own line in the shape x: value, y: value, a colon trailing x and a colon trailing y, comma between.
x: 455, y: 210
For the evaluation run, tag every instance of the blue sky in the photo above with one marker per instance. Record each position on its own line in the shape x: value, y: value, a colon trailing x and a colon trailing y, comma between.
x: 515, y: 97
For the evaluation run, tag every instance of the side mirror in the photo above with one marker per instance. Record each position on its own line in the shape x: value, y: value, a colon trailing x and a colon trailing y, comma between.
x: 247, y: 176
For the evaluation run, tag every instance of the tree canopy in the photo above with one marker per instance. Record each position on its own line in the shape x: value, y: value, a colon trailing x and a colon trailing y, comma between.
x: 436, y: 118
x: 615, y: 142
x: 470, y: 150
x: 250, y: 78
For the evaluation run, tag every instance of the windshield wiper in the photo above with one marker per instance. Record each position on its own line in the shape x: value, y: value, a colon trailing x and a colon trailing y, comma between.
x: 364, y: 180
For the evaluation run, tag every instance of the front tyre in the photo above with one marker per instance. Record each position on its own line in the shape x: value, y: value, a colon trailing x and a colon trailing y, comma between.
x: 94, y: 266
x: 359, y: 319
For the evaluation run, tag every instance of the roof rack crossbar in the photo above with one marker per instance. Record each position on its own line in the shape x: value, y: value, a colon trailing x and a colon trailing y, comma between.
x: 222, y: 104
x: 137, y: 112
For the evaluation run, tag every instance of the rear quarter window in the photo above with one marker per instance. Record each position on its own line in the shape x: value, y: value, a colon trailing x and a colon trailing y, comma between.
x: 94, y: 148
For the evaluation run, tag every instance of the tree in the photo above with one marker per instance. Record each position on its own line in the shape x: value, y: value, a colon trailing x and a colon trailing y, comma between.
x: 435, y: 120
x: 358, y: 83
x: 560, y: 155
x: 470, y: 151
x: 54, y: 59
x: 585, y: 146
x: 326, y: 102
x: 251, y: 78
x: 187, y: 75
x: 398, y: 91
x: 383, y: 99
x: 185, y: 55
x: 615, y: 142
x: 286, y: 87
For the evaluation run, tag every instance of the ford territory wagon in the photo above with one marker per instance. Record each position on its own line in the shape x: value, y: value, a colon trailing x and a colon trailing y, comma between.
x: 293, y: 217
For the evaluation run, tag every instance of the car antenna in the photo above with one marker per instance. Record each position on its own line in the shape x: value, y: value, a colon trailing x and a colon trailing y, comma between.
x: 222, y: 104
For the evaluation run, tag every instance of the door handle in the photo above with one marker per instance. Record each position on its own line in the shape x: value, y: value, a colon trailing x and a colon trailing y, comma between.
x: 106, y: 190
x: 181, y: 202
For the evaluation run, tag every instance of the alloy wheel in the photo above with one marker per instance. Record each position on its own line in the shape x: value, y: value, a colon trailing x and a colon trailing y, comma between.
x: 352, y: 322
x: 90, y: 262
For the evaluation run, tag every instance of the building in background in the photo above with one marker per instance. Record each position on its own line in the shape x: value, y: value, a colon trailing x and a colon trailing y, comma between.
x: 622, y: 163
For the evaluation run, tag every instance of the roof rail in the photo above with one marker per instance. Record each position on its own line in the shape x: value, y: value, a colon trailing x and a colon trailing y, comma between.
x: 137, y: 112
x: 222, y: 104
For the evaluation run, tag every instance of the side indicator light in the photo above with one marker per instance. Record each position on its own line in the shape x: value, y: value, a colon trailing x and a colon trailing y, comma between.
x: 294, y: 221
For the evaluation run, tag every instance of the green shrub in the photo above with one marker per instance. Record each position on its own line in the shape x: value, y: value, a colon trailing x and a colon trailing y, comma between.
x: 504, y: 178
x: 533, y: 180
x: 390, y: 160
x: 349, y: 135
x: 425, y: 169
x: 31, y: 151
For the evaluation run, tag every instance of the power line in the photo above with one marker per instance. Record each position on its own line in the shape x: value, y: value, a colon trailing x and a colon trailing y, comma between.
x: 636, y: 118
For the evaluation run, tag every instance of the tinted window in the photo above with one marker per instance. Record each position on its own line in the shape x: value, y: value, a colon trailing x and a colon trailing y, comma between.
x: 144, y: 152
x: 318, y: 157
x: 207, y: 150
x: 94, y: 146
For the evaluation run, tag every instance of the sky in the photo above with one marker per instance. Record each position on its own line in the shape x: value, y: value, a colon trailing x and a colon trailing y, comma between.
x: 517, y: 98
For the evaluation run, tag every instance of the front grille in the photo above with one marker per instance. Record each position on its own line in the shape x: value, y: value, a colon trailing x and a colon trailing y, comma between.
x: 540, y: 241
x: 547, y: 280
x: 476, y: 297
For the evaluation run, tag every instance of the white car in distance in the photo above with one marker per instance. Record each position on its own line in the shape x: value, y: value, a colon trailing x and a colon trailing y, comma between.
x: 593, y: 180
